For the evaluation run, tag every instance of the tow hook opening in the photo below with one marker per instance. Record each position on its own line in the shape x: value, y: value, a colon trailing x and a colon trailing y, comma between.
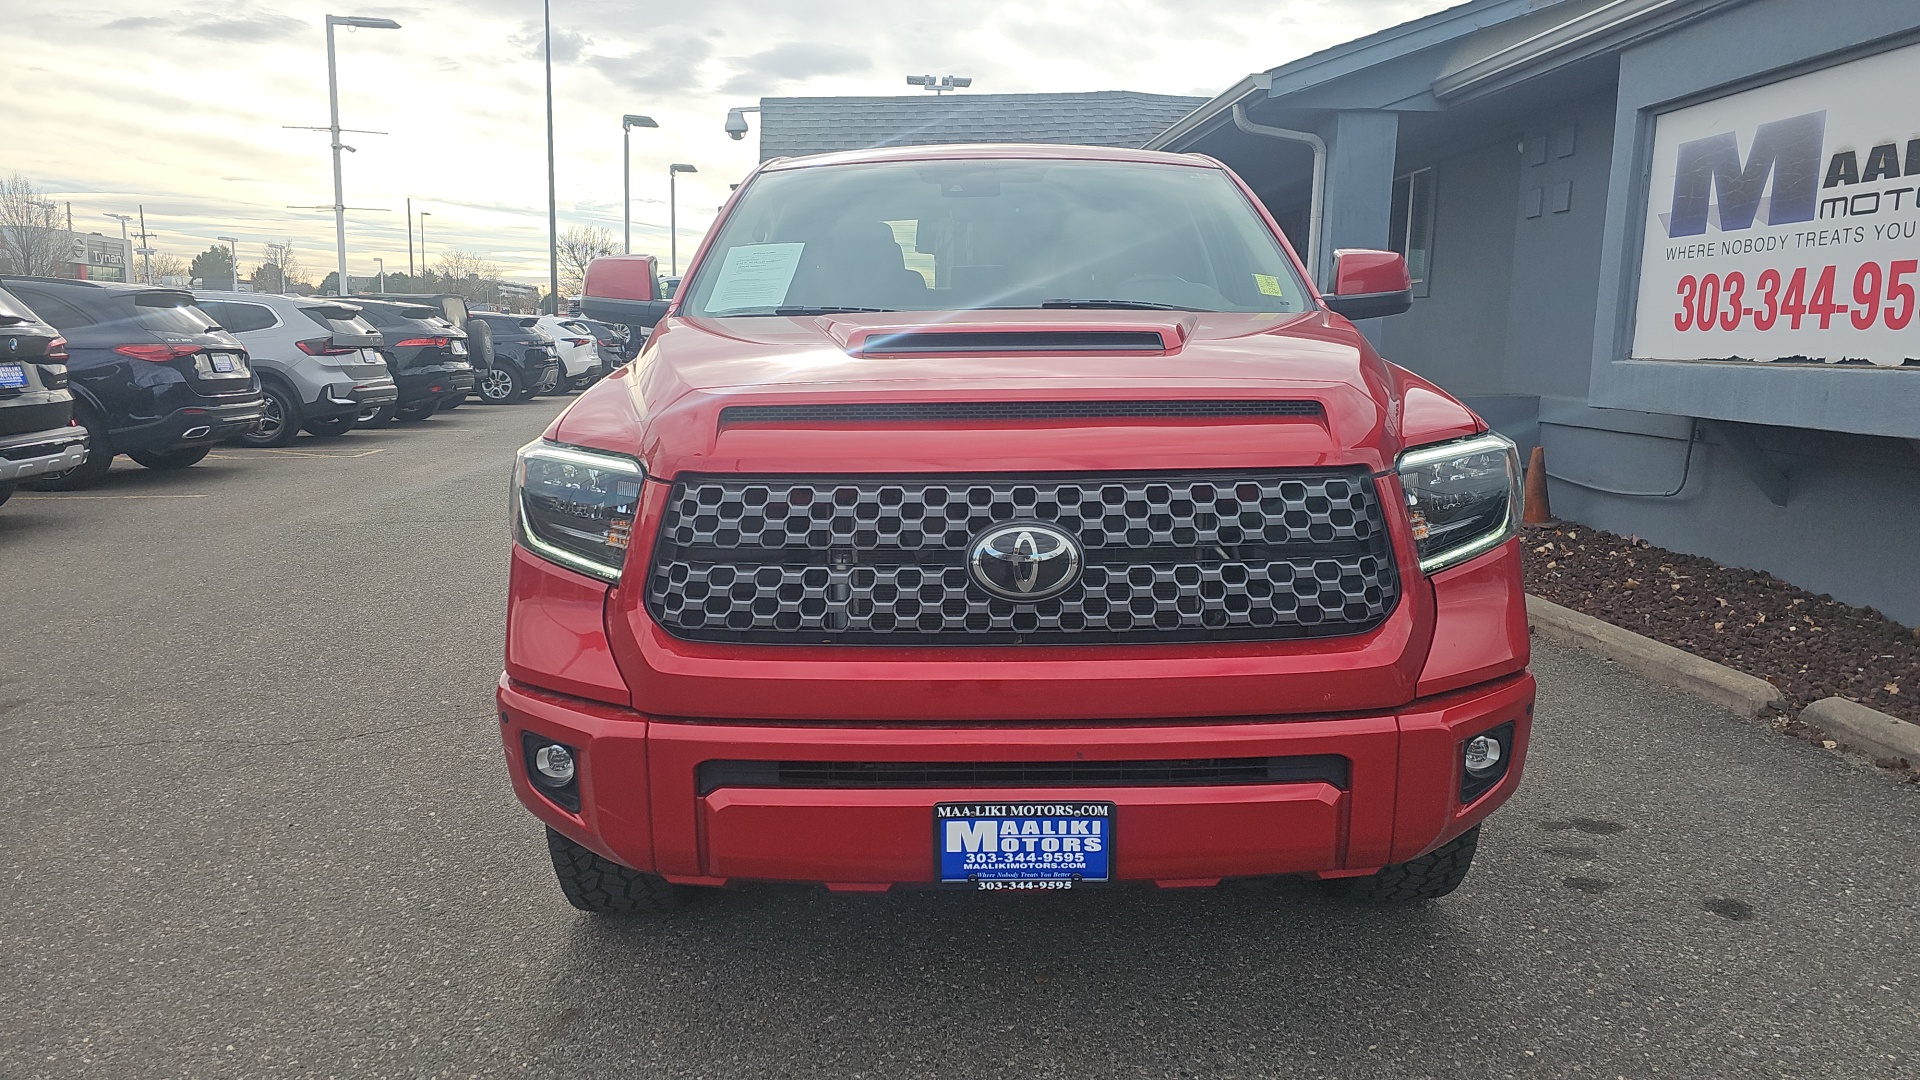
x: 1484, y: 759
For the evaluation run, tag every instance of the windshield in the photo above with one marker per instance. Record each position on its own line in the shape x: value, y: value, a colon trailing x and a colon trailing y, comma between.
x: 983, y: 234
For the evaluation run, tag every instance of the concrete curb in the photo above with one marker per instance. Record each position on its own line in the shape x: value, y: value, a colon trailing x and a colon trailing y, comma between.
x: 1868, y: 730
x: 1717, y: 683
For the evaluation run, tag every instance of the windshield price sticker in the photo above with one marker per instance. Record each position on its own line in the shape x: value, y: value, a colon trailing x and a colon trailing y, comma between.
x: 1024, y: 845
x: 754, y: 276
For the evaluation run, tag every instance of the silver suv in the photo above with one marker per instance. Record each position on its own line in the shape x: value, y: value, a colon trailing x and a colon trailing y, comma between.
x: 319, y: 362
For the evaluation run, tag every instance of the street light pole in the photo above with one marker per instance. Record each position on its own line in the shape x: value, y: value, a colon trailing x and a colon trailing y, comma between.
x: 333, y: 128
x: 146, y: 245
x: 673, y: 216
x: 126, y: 272
x: 382, y: 263
x: 553, y: 206
x: 627, y: 124
x: 233, y: 256
x: 424, y: 215
x: 409, y: 239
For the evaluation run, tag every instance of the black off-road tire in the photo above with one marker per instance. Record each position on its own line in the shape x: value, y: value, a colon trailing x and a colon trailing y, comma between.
x: 89, y: 472
x: 479, y: 343
x: 165, y: 460
x: 604, y: 887
x: 1429, y: 877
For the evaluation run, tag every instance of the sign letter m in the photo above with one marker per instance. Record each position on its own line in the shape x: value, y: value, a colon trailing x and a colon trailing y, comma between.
x: 1787, y: 150
x: 973, y: 836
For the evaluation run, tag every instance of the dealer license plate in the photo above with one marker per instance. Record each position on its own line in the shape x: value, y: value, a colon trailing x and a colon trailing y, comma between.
x: 222, y: 362
x: 1024, y: 845
x: 12, y: 376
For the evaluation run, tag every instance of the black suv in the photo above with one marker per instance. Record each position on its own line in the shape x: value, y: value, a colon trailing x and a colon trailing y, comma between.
x: 426, y: 354
x: 153, y: 377
x: 37, y: 433
x: 525, y: 361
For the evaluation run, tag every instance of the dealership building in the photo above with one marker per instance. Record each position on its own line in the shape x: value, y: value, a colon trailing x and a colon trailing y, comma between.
x: 1671, y: 241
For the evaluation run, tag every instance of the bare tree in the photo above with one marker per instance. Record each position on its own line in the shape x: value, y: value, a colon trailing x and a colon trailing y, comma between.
x: 580, y: 245
x: 458, y: 263
x: 32, y: 231
x: 165, y: 265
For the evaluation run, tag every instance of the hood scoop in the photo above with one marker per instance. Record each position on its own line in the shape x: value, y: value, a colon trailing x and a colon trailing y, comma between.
x: 1023, y: 342
x: 878, y: 412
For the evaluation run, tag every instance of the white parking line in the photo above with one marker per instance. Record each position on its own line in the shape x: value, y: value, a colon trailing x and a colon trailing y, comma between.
x: 304, y: 453
x: 63, y: 498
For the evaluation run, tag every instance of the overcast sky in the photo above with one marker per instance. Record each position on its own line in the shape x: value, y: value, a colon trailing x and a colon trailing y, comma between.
x: 180, y: 107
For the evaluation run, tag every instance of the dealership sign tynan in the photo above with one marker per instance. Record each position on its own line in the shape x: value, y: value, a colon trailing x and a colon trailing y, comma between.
x: 1782, y: 223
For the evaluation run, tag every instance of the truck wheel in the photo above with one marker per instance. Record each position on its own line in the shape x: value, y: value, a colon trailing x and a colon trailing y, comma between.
x: 604, y: 887
x: 418, y: 410
x: 6, y: 492
x: 1429, y: 877
x: 169, y: 459
x: 89, y: 472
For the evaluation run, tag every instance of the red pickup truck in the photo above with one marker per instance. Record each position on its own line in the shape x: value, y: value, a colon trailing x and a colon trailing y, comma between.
x: 1011, y: 517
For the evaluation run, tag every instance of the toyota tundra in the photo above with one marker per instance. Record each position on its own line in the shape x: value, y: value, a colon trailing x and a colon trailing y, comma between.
x: 1011, y: 518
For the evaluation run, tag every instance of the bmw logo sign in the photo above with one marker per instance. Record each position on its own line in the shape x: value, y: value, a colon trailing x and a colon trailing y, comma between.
x: 13, y: 344
x: 1024, y: 560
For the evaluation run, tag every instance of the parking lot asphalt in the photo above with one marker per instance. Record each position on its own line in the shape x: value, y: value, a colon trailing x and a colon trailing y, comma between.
x: 256, y: 824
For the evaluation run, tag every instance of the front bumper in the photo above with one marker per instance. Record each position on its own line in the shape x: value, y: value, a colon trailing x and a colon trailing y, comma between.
x: 37, y: 453
x: 642, y: 801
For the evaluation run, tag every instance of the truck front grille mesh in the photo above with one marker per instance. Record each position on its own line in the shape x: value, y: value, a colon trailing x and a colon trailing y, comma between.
x: 883, y: 560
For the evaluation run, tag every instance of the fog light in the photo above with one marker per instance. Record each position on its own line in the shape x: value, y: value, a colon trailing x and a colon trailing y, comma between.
x: 1483, y: 755
x: 553, y: 765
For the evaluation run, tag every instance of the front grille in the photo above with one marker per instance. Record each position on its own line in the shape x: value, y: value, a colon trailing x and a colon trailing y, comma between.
x: 1328, y: 768
x: 894, y: 411
x: 882, y: 560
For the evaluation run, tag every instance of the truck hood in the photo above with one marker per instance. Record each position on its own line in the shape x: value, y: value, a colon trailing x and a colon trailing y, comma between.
x: 1219, y: 390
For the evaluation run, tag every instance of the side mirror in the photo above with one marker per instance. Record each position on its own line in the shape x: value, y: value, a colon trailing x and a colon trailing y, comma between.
x: 621, y: 289
x: 1370, y: 284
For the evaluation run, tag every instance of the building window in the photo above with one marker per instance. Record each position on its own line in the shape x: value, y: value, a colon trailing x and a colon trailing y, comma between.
x: 1411, y: 230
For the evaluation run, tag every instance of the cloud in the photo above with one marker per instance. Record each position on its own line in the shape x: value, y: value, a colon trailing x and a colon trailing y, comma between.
x: 672, y: 66
x: 568, y: 45
x: 248, y: 27
x: 792, y: 61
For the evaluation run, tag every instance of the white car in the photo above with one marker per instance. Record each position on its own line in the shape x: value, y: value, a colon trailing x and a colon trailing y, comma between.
x: 579, y: 353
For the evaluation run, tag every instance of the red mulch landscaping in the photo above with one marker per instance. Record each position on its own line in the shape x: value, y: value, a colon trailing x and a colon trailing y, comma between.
x: 1810, y: 646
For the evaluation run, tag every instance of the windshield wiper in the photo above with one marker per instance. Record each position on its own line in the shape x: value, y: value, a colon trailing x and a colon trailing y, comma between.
x: 1138, y: 305
x: 825, y: 310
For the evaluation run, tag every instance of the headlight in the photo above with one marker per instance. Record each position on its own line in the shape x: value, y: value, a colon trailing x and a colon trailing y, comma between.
x: 1461, y: 497
x: 576, y: 507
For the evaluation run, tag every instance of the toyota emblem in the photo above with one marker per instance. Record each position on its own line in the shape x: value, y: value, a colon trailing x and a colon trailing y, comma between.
x: 1024, y: 560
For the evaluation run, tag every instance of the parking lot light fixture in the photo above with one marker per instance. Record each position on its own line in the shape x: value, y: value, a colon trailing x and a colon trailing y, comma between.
x: 627, y: 124
x: 233, y: 248
x: 381, y: 288
x: 673, y: 219
x: 333, y: 126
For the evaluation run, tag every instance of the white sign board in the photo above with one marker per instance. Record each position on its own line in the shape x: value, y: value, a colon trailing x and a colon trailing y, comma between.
x: 1781, y: 222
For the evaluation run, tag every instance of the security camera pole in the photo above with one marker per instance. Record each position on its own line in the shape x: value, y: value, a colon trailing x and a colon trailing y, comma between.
x: 627, y: 124
x: 333, y: 127
x: 737, y: 121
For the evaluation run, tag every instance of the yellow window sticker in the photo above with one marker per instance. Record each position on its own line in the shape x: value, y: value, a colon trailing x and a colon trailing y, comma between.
x: 1268, y: 284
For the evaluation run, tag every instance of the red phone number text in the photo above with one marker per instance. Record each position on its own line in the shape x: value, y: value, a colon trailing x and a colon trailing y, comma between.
x: 1882, y: 293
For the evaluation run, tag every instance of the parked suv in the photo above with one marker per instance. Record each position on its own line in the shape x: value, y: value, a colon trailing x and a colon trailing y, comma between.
x: 579, y: 354
x: 319, y: 362
x: 452, y: 308
x: 37, y: 432
x: 426, y: 354
x: 153, y: 377
x: 525, y: 360
x: 1012, y: 518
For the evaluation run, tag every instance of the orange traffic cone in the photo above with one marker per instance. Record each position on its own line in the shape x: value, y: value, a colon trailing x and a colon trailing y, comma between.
x: 1536, y: 511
